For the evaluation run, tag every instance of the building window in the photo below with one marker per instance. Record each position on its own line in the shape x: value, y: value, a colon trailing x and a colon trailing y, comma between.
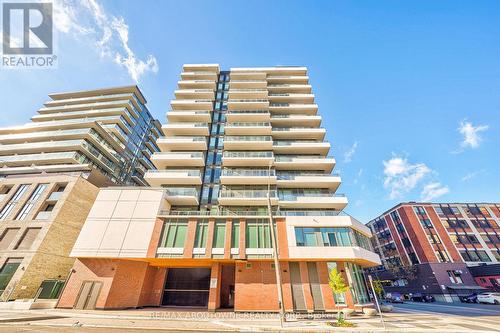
x: 455, y: 276
x: 174, y: 234
x: 235, y: 235
x: 258, y: 235
x: 28, y: 239
x: 358, y: 287
x: 7, y: 237
x: 7, y: 272
x: 31, y: 201
x: 219, y: 235
x: 200, y: 240
x: 13, y: 201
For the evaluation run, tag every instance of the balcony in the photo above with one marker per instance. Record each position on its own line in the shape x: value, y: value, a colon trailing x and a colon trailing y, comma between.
x: 201, y: 68
x: 247, y: 158
x: 199, y: 75
x: 284, y: 88
x: 248, y: 142
x: 191, y: 104
x: 248, y: 115
x: 276, y: 97
x: 288, y: 120
x: 247, y: 177
x: 247, y: 93
x: 169, y: 159
x: 247, y: 104
x: 248, y: 75
x: 194, y: 94
x: 300, y: 147
x: 54, y: 197
x: 305, y: 162
x: 173, y: 177
x: 308, y: 180
x: 182, y: 196
x: 288, y: 108
x: 247, y: 84
x: 236, y: 197
x: 196, y: 84
x: 248, y: 128
x: 43, y: 215
x: 313, y: 200
x: 194, y: 129
x: 180, y: 116
x: 185, y: 143
x: 290, y: 79
x: 299, y: 133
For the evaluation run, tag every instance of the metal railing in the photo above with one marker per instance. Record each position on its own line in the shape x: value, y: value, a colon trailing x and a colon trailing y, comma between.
x: 248, y: 138
x: 189, y: 173
x: 181, y: 191
x: 248, y: 124
x: 248, y: 154
x: 227, y: 193
x: 248, y: 173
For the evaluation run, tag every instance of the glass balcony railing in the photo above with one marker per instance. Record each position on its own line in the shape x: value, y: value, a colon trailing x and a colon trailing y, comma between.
x: 248, y: 138
x: 248, y: 124
x: 182, y: 191
x: 246, y: 90
x: 293, y: 196
x: 247, y: 173
x: 248, y: 100
x: 189, y: 173
x: 247, y: 111
x: 248, y: 154
x: 283, y: 129
x: 183, y: 138
x: 291, y: 142
x: 229, y: 193
x: 291, y: 176
x: 284, y: 158
x: 187, y: 125
x: 179, y: 154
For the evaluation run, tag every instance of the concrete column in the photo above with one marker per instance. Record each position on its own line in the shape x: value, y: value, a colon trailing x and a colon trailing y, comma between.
x: 243, y: 227
x: 210, y: 238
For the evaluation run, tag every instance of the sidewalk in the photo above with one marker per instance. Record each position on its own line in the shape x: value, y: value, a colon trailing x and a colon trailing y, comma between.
x: 161, y: 319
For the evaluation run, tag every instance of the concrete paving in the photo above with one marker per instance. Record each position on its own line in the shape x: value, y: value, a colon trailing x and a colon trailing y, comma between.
x: 408, y: 317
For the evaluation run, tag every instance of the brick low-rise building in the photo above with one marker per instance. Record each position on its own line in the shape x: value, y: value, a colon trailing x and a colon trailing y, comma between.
x: 442, y: 240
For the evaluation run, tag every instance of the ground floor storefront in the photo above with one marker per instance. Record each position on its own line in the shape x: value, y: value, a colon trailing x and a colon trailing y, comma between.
x: 212, y: 285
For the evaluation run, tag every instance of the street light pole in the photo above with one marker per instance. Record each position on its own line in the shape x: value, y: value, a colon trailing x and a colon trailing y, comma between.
x: 277, y: 268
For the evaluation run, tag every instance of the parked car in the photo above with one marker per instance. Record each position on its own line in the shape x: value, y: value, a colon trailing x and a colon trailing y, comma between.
x: 419, y: 297
x: 491, y: 298
x: 394, y: 298
x: 472, y: 298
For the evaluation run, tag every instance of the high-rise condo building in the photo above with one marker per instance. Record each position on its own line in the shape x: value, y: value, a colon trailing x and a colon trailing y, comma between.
x: 441, y: 241
x: 235, y: 142
x: 50, y: 171
x: 110, y: 130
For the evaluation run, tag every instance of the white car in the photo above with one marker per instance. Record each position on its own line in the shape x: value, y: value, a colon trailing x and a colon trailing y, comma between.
x: 491, y: 298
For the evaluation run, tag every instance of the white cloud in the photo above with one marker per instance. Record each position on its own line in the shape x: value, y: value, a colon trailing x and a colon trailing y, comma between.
x: 472, y: 174
x: 433, y: 190
x: 402, y: 176
x: 109, y: 34
x: 471, y: 138
x: 358, y: 176
x: 350, y: 153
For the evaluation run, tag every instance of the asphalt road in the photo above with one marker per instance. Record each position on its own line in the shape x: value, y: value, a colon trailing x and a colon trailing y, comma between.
x: 459, y: 309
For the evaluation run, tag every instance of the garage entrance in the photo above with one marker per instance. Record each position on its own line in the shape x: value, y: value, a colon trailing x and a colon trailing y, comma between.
x: 187, y: 287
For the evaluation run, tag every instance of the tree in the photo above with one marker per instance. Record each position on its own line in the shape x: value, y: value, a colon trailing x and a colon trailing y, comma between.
x: 378, y: 288
x: 338, y: 285
x: 403, y: 272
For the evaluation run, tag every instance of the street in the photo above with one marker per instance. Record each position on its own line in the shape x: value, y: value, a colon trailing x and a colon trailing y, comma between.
x: 407, y: 317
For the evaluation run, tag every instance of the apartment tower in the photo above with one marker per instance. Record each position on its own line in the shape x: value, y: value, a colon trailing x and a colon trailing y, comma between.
x: 235, y: 143
x: 50, y: 173
x: 442, y: 240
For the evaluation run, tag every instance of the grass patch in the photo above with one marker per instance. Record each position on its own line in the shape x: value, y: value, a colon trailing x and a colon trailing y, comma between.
x: 340, y: 324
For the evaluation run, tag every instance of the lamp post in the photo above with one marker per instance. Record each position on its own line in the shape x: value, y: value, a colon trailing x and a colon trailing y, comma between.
x: 277, y: 268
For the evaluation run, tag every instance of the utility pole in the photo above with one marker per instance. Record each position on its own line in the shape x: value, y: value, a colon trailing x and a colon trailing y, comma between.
x: 277, y: 268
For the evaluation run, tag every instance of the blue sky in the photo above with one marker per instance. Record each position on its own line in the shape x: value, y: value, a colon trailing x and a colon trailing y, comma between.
x: 408, y: 90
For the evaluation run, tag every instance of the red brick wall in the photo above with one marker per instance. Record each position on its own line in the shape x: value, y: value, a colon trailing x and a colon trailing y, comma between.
x: 397, y: 240
x: 418, y: 238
